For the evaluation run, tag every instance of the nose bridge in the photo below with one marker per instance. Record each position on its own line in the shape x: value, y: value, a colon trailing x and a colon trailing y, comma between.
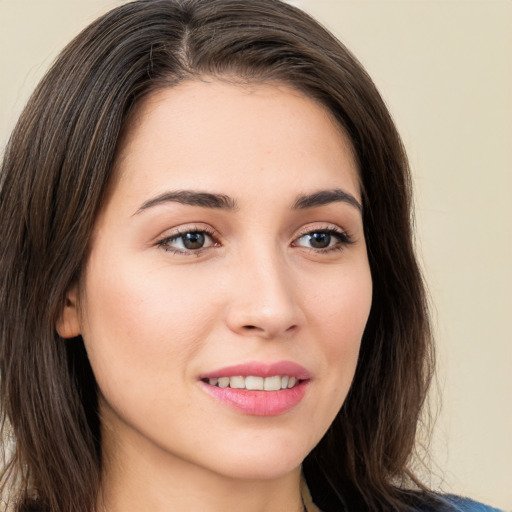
x: 264, y: 301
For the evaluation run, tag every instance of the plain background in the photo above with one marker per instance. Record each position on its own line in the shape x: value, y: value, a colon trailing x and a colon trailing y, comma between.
x: 445, y: 70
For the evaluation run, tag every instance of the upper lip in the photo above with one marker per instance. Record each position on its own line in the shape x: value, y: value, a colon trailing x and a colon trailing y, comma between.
x: 259, y: 369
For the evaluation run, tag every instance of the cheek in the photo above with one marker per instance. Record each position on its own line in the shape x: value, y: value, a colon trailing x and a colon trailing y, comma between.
x: 339, y: 315
x: 340, y: 310
x: 140, y: 321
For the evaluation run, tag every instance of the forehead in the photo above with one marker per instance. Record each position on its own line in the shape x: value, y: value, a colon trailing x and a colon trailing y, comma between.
x: 211, y: 134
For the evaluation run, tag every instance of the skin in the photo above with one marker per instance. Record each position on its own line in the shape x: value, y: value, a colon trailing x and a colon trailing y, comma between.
x: 154, y: 320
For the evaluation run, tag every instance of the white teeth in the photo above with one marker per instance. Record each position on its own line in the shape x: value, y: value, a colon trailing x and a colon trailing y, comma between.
x: 272, y: 383
x: 237, y: 382
x: 253, y: 383
x: 223, y: 382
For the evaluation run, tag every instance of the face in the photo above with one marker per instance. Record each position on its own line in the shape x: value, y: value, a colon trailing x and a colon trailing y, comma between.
x: 227, y: 286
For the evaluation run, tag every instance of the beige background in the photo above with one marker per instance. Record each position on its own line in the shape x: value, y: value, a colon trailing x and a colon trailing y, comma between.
x: 445, y: 70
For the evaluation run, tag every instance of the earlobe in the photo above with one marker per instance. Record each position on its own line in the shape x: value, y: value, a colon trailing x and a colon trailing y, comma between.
x: 68, y: 323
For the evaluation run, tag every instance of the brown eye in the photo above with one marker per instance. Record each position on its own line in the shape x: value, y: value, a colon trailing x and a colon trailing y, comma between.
x: 319, y: 240
x: 194, y: 240
x: 323, y: 240
x: 187, y: 242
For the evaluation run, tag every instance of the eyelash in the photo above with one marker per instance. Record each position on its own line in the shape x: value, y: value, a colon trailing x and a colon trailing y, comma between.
x: 344, y: 239
x: 164, y: 243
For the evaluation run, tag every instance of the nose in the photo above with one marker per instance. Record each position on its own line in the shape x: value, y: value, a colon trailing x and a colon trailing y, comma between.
x: 264, y: 299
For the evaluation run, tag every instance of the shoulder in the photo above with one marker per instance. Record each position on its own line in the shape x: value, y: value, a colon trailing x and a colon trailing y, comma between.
x: 452, y: 503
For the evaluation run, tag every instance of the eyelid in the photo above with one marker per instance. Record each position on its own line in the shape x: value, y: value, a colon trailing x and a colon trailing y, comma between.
x: 343, y: 235
x: 175, y: 233
x: 323, y: 227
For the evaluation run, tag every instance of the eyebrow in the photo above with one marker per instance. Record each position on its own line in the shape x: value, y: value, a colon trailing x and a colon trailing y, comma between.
x: 323, y: 197
x: 224, y: 202
x: 191, y: 198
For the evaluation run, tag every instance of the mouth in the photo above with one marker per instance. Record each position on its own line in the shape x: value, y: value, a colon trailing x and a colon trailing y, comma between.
x: 258, y: 389
x: 254, y: 383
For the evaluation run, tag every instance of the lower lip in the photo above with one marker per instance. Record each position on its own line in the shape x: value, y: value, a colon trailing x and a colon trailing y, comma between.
x: 259, y: 403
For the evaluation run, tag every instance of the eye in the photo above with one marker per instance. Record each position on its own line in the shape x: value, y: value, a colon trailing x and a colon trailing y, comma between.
x: 323, y: 239
x: 192, y: 241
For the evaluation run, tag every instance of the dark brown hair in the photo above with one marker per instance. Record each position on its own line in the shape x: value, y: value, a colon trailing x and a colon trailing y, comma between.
x: 56, y: 168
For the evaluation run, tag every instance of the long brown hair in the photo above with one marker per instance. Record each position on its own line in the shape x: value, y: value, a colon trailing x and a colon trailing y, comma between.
x: 56, y: 167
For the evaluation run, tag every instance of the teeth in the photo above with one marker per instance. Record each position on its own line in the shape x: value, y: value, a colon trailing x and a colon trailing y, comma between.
x: 274, y: 383
x: 255, y: 383
x: 237, y: 382
x: 223, y: 382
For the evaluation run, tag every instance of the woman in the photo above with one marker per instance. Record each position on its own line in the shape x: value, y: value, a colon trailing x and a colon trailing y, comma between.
x: 209, y: 293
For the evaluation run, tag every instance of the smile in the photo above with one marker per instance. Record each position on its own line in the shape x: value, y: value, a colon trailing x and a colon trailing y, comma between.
x: 258, y: 389
x: 254, y: 383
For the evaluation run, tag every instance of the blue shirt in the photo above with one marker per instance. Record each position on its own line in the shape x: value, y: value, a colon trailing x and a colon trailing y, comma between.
x: 459, y: 504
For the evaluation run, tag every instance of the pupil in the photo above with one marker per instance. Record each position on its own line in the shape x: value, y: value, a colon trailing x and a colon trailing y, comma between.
x: 193, y: 240
x: 320, y: 240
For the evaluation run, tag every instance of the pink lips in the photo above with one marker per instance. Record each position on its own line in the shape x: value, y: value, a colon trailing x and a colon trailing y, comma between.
x: 259, y: 403
x: 260, y: 370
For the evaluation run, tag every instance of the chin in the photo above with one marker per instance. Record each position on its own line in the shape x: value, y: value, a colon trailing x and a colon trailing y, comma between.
x: 269, y: 470
x: 271, y: 461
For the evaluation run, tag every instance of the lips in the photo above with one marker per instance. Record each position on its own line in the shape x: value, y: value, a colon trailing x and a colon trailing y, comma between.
x: 260, y: 370
x: 258, y: 389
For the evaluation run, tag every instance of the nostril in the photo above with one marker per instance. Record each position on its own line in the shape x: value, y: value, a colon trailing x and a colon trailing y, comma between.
x: 250, y: 326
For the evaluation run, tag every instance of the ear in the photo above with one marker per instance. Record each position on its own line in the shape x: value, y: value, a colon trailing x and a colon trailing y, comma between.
x: 68, y: 323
